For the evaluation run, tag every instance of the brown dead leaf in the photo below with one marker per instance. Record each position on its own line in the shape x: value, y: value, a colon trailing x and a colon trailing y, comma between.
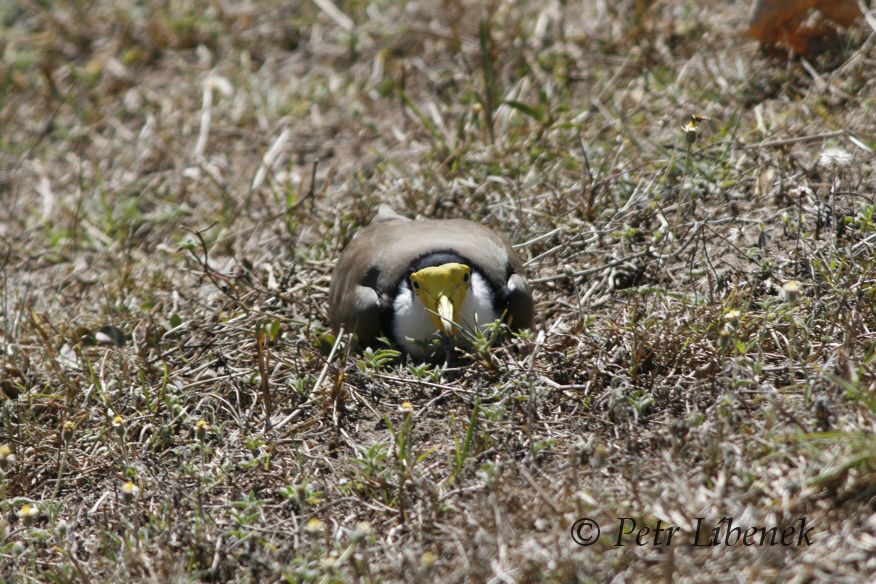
x: 780, y: 22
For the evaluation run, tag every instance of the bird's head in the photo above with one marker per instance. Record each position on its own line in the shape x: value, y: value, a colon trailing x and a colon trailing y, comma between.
x: 442, y: 290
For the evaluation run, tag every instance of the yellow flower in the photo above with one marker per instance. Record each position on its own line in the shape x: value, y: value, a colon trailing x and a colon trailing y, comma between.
x: 732, y: 316
x: 363, y: 530
x: 67, y: 429
x: 726, y: 336
x: 119, y: 425
x: 28, y: 513
x: 130, y: 491
x: 690, y: 131
x: 314, y: 525
x: 201, y: 427
x: 791, y: 289
x: 6, y: 456
x: 406, y: 408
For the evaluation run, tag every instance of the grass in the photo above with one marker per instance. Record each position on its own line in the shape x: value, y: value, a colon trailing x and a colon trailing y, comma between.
x: 178, y: 178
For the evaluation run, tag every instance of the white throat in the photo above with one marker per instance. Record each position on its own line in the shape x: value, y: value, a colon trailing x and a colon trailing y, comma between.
x: 412, y: 322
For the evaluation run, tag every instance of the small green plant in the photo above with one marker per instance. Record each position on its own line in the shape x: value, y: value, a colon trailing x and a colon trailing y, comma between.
x: 640, y: 400
x: 424, y: 371
x: 486, y: 337
x: 372, y: 472
x: 464, y: 446
x: 247, y: 512
x: 373, y: 360
x: 303, y: 494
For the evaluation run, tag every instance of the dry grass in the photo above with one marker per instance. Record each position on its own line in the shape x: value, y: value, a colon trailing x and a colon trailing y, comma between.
x: 181, y: 175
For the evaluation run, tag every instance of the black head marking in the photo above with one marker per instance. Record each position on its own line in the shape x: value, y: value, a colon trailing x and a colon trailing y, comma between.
x: 438, y: 258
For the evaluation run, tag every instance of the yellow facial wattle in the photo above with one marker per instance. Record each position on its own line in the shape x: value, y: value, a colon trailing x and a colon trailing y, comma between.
x: 442, y: 291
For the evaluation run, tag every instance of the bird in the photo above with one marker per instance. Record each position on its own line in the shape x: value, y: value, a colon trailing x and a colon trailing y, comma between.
x: 412, y: 281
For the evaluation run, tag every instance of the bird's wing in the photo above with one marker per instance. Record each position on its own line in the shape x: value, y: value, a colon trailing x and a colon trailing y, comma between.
x: 353, y: 298
x: 520, y: 304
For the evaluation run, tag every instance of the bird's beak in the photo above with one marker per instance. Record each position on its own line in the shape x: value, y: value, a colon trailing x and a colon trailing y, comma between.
x: 445, y: 311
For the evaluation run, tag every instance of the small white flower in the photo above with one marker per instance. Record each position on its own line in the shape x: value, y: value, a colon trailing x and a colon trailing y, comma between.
x: 834, y: 156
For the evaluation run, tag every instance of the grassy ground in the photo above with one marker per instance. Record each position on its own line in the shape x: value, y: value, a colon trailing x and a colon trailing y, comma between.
x: 177, y: 178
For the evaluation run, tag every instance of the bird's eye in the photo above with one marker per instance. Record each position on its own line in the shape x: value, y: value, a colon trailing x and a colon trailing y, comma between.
x: 465, y: 277
x: 416, y: 284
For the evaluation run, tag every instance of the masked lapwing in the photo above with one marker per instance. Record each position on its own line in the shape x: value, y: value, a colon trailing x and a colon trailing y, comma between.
x: 411, y: 281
